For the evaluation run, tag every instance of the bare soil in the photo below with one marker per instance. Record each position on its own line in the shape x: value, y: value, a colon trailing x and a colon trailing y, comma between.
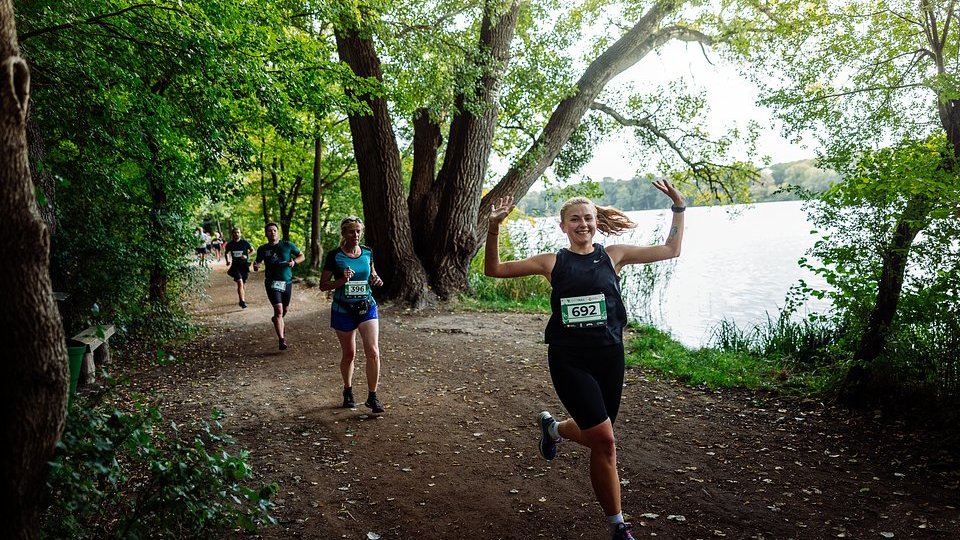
x: 455, y: 454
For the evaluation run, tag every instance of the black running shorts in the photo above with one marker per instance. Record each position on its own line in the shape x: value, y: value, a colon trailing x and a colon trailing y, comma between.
x: 588, y: 381
x: 277, y: 296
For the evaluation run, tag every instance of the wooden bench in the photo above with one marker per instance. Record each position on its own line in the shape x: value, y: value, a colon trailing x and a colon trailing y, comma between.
x: 98, y: 350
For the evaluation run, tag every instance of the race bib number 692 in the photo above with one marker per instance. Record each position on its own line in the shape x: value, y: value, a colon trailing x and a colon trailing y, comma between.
x: 582, y: 311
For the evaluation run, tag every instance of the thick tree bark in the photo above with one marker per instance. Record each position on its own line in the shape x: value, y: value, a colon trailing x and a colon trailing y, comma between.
x: 465, y: 161
x: 316, y: 201
x: 33, y: 401
x: 387, y: 222
x: 423, y: 200
x: 644, y: 37
x: 41, y: 177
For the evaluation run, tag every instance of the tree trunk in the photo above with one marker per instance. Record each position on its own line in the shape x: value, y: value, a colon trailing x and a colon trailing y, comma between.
x: 914, y: 219
x: 42, y: 177
x: 316, y: 201
x: 35, y: 394
x: 159, y: 274
x: 446, y: 216
x: 263, y: 193
x: 423, y: 200
x: 378, y: 166
x: 465, y: 159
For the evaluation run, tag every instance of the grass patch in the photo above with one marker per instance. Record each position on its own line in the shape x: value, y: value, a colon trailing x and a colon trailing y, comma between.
x: 526, y: 305
x: 651, y: 348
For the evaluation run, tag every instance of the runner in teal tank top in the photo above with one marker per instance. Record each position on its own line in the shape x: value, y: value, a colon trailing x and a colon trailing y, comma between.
x: 585, y: 331
x: 349, y: 272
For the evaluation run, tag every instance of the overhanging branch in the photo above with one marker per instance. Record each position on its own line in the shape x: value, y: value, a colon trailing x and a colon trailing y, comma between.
x: 96, y: 20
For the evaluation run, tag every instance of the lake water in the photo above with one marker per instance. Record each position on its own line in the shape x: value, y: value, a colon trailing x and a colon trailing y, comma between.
x: 737, y: 263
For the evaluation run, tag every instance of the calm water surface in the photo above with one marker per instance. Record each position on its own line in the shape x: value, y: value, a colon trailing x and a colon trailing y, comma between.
x: 737, y: 264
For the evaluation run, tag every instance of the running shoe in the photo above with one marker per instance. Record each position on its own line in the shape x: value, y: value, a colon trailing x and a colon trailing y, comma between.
x: 548, y: 445
x: 283, y: 344
x: 622, y: 532
x: 243, y: 305
x: 375, y: 406
x: 348, y: 402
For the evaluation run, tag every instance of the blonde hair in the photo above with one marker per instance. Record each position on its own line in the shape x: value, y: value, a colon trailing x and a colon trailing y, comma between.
x: 609, y: 219
x: 346, y: 221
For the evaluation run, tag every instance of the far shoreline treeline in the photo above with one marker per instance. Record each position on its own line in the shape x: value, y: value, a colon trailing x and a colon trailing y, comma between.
x: 637, y: 193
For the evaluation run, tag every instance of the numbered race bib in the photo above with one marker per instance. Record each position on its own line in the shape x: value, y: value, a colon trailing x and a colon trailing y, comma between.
x: 355, y: 289
x: 278, y: 285
x: 581, y: 311
x: 237, y: 254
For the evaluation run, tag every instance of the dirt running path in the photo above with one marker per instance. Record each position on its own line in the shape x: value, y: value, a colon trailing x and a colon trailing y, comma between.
x: 455, y: 454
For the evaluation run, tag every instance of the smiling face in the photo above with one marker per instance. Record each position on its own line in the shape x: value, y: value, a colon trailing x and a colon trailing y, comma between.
x: 579, y: 222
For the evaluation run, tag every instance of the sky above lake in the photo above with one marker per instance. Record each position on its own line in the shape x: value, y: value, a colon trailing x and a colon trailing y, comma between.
x: 730, y: 97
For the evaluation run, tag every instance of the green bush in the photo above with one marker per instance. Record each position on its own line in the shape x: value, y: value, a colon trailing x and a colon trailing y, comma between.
x: 117, y: 474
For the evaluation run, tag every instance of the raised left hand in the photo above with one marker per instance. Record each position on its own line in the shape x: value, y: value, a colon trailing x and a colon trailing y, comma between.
x: 670, y: 191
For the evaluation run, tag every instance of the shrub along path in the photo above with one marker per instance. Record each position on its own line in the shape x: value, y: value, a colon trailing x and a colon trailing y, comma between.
x: 455, y: 454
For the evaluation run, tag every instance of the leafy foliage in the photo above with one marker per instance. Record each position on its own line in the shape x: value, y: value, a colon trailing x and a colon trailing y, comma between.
x: 143, y: 109
x: 118, y: 474
x: 859, y: 216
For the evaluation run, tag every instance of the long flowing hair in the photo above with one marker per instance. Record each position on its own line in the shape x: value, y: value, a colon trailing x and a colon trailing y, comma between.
x: 609, y: 219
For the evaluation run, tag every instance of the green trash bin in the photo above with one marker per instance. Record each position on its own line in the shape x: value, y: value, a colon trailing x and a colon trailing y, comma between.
x: 76, y: 360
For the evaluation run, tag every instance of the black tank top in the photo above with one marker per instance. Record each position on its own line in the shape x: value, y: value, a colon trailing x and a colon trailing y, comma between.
x: 580, y: 279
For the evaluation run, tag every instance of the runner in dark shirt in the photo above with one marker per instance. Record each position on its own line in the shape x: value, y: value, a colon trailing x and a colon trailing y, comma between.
x: 279, y: 258
x: 237, y: 256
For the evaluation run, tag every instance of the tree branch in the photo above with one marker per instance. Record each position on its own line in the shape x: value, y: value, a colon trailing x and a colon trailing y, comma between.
x: 705, y: 170
x: 95, y: 20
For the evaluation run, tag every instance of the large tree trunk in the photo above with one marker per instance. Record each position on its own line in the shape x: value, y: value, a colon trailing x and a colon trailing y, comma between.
x: 34, y: 398
x: 378, y: 165
x: 465, y: 160
x: 423, y: 200
x: 316, y: 202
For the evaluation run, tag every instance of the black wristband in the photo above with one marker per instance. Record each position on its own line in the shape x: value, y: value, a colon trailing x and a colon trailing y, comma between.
x: 678, y: 209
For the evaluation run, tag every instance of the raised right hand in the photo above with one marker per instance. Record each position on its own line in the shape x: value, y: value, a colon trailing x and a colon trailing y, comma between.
x: 500, y: 209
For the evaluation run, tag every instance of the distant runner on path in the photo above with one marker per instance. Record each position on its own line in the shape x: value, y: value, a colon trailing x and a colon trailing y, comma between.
x: 237, y: 256
x: 279, y: 257
x: 349, y: 272
x: 584, y: 335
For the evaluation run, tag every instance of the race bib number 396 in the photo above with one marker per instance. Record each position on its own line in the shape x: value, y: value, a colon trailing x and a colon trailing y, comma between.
x: 355, y: 289
x: 581, y: 311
